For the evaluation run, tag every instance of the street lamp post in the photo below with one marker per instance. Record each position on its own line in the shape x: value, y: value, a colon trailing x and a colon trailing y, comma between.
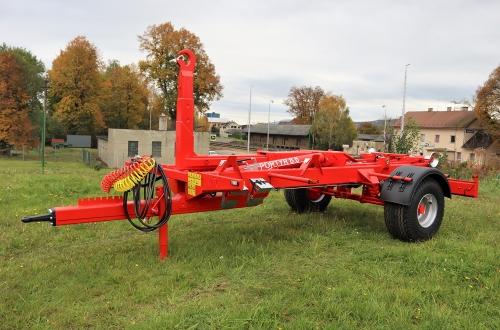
x: 404, y: 99
x: 249, y: 115
x: 45, y: 87
x: 268, y: 120
x: 385, y: 122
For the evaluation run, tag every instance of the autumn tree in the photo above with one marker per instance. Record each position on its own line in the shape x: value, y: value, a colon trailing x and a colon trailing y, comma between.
x: 303, y: 103
x: 33, y: 71
x: 369, y: 128
x: 125, y: 102
x: 333, y: 127
x: 487, y: 105
x: 15, y: 126
x: 77, y: 86
x: 202, y: 124
x: 162, y: 44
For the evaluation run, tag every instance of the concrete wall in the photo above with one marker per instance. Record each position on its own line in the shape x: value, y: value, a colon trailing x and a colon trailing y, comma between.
x: 359, y: 147
x: 278, y: 141
x: 79, y: 141
x: 114, y: 150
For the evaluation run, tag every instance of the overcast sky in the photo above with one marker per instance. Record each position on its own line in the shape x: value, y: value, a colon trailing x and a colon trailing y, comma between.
x: 357, y: 48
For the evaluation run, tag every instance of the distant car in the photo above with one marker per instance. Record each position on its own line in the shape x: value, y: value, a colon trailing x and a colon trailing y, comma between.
x: 62, y: 145
x: 211, y: 153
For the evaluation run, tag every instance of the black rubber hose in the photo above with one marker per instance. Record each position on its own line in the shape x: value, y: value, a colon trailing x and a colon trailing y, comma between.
x: 148, y: 191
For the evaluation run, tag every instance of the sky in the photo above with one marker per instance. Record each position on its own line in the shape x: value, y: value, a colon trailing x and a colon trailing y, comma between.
x: 364, y: 50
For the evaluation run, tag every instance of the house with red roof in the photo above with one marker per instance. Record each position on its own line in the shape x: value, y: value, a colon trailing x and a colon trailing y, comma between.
x: 456, y: 132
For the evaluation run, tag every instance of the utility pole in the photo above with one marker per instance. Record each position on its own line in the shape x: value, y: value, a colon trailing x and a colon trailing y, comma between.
x: 404, y: 99
x: 249, y: 115
x: 268, y: 120
x: 45, y: 87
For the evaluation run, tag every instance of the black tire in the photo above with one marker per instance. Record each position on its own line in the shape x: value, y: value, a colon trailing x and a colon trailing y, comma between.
x: 420, y: 220
x: 303, y: 200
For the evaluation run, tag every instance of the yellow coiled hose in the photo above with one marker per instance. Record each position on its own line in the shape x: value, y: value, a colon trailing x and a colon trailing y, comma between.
x: 128, y: 177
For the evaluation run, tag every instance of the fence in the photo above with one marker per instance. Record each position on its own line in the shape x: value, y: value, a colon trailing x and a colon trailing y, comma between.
x: 31, y: 156
x: 112, y: 151
x: 87, y: 157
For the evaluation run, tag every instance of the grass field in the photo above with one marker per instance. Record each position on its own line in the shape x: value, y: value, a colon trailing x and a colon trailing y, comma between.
x: 257, y: 268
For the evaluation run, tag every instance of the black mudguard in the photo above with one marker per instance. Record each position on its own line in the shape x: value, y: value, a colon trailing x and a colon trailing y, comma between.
x: 401, y: 192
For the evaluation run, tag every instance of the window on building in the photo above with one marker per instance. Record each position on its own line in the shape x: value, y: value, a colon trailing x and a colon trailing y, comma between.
x: 436, y: 139
x: 133, y: 148
x: 156, y: 148
x: 422, y: 137
x: 459, y: 156
x: 472, y: 157
x: 452, y: 140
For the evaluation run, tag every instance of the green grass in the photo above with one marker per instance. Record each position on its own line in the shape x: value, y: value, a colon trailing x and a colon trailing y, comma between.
x: 257, y: 268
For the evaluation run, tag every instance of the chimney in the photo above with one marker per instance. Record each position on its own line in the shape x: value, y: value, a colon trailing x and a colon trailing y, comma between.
x: 163, y: 123
x: 430, y: 109
x: 448, y: 109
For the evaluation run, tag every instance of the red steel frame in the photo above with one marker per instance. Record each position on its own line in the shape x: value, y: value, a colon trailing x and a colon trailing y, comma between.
x: 209, y: 183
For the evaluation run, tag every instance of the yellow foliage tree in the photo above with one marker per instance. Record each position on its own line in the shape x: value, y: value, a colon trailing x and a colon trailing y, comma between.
x: 77, y: 86
x: 333, y: 126
x: 126, y: 99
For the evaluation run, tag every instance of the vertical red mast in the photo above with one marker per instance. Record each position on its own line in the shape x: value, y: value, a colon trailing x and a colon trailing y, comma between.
x: 184, y: 125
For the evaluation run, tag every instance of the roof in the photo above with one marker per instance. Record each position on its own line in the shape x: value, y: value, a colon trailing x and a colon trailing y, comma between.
x: 439, y: 119
x: 229, y: 123
x: 479, y: 140
x: 217, y: 120
x: 380, y: 138
x: 296, y: 130
x: 367, y: 137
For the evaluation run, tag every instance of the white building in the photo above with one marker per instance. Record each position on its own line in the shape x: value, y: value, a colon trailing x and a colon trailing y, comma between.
x: 123, y: 144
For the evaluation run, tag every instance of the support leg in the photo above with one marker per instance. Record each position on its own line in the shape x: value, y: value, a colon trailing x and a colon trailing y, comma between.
x: 163, y: 241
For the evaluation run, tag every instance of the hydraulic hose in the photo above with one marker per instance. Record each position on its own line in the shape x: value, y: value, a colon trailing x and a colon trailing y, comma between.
x: 140, y: 178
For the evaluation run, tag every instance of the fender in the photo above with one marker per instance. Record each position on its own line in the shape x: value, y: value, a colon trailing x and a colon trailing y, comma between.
x: 401, y: 191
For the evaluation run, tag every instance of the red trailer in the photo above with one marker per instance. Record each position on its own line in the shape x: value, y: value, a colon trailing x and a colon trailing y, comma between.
x: 410, y: 188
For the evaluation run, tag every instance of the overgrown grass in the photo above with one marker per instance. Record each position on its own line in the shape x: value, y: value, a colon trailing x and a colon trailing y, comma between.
x: 257, y: 268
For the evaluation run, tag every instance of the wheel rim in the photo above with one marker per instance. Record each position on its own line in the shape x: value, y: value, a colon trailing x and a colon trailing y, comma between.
x: 427, y: 210
x: 314, y: 195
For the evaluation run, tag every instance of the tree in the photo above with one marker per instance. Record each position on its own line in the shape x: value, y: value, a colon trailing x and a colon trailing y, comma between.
x: 77, y: 86
x: 155, y: 109
x: 202, y: 124
x: 303, y: 103
x: 126, y: 98
x: 369, y: 128
x: 332, y: 126
x: 407, y: 142
x: 162, y: 44
x: 487, y: 106
x: 32, y: 70
x: 15, y: 126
